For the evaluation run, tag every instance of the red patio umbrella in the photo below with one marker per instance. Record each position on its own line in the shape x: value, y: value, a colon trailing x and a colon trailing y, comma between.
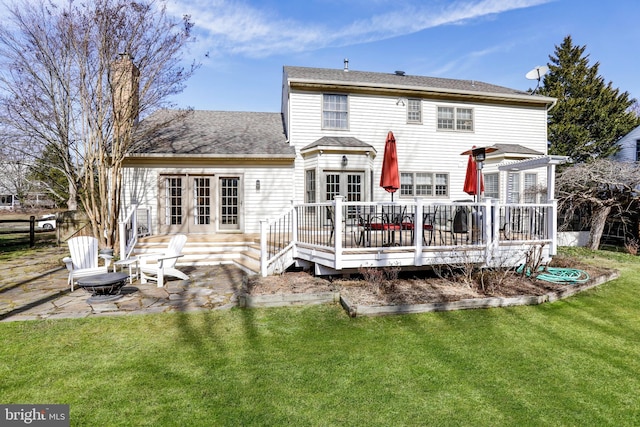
x: 390, y: 177
x: 471, y: 178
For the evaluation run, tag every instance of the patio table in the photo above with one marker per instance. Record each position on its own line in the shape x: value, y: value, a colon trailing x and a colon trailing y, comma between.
x: 132, y: 263
x: 375, y: 222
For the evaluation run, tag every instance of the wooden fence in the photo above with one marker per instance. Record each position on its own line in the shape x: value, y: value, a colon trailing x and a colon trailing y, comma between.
x: 19, y: 230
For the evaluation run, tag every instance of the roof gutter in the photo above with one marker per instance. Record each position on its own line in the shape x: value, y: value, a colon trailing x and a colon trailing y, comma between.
x: 416, y: 90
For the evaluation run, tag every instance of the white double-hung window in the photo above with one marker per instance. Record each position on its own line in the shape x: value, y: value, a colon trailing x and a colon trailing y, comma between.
x: 424, y: 184
x: 492, y: 185
x: 414, y: 111
x: 335, y: 110
x: 455, y: 118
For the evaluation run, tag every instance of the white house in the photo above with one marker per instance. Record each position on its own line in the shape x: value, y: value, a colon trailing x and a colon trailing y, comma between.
x: 629, y: 147
x: 220, y: 173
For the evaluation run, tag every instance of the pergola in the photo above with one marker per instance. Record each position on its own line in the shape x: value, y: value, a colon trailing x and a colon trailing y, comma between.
x: 537, y: 162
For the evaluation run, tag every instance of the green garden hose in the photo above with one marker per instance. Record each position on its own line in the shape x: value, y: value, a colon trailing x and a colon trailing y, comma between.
x: 558, y: 275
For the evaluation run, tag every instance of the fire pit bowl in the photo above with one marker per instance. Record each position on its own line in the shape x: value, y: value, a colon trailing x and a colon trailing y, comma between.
x: 103, y: 287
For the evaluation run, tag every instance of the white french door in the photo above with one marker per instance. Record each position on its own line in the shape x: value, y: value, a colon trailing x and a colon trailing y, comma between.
x: 230, y: 200
x: 350, y: 185
x: 187, y: 203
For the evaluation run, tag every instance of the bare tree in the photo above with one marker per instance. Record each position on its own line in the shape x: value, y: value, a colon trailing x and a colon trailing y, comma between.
x: 603, y: 187
x: 14, y: 174
x: 635, y: 108
x: 77, y: 76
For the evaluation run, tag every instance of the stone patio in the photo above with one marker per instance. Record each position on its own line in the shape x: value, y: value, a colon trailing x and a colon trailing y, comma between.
x: 47, y: 296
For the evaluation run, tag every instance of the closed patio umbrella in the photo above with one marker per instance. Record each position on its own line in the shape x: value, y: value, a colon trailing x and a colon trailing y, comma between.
x: 390, y: 177
x: 471, y: 178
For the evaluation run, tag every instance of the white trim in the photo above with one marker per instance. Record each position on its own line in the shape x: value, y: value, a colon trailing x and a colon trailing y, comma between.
x: 525, y: 97
x: 534, y: 163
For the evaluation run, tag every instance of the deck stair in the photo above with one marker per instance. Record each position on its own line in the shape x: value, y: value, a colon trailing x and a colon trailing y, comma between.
x: 242, y: 250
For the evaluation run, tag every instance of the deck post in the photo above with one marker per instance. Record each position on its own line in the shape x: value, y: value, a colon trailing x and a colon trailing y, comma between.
x: 418, y: 232
x: 337, y: 223
x: 553, y: 227
x: 264, y: 256
x: 487, y: 231
x: 294, y: 228
x: 494, y: 230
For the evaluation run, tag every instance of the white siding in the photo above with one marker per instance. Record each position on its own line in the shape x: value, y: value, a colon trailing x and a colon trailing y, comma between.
x: 421, y: 147
x: 627, y: 145
x: 141, y: 185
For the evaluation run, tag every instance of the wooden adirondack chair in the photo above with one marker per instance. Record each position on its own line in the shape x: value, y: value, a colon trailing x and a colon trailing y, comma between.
x: 165, y: 263
x: 83, y: 261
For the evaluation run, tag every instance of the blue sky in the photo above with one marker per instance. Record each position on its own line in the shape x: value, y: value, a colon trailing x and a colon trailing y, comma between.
x: 243, y: 44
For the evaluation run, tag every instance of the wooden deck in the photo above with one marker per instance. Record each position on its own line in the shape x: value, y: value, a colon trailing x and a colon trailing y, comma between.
x: 333, y: 238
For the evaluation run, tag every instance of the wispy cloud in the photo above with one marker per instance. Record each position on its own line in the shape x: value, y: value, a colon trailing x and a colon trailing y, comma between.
x: 235, y: 27
x: 467, y: 60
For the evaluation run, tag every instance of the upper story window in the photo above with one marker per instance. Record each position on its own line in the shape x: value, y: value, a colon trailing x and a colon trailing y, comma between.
x: 334, y: 112
x: 638, y: 150
x: 452, y: 118
x: 414, y: 111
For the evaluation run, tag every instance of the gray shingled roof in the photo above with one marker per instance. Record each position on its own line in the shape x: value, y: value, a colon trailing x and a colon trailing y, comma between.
x: 339, y: 141
x: 325, y: 75
x: 514, y: 149
x: 216, y: 133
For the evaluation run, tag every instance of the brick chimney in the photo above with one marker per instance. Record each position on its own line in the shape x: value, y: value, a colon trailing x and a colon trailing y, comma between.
x: 125, y: 79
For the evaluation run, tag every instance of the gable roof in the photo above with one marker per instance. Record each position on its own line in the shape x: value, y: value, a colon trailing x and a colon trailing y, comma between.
x: 324, y: 78
x: 503, y: 149
x: 213, y: 134
x: 339, y: 142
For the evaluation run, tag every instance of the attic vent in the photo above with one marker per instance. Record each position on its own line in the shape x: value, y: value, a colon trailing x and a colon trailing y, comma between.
x: 399, y: 73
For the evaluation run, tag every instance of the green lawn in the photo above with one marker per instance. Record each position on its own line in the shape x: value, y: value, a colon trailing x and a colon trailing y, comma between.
x: 574, y: 362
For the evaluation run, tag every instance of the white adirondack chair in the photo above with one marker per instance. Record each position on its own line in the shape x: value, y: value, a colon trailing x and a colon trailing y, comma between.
x: 165, y: 263
x: 83, y: 261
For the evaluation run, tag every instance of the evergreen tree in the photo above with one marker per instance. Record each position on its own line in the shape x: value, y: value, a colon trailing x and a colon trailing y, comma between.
x: 49, y: 171
x: 590, y: 116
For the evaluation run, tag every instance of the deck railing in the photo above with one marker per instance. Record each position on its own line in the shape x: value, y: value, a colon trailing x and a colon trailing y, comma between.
x: 331, y: 232
x: 377, y: 225
x: 136, y: 223
x: 277, y: 237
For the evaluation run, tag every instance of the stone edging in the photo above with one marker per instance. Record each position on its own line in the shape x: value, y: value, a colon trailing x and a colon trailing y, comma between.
x: 282, y: 300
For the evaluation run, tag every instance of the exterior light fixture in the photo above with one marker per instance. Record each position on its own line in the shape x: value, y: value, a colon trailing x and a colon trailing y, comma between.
x: 345, y: 161
x: 257, y: 185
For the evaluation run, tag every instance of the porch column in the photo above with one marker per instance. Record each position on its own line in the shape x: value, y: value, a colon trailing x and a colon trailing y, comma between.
x: 551, y: 182
x: 337, y: 236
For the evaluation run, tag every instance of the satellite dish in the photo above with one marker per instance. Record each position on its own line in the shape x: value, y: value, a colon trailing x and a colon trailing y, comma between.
x: 536, y: 74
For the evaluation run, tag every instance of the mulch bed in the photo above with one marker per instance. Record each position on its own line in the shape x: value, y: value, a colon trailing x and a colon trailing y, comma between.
x: 379, y: 288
